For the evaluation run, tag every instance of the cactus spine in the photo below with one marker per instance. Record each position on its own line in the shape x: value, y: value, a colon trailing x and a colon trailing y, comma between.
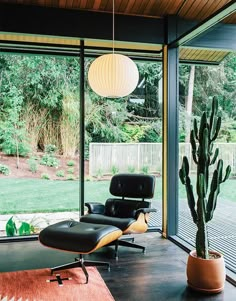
x: 202, y: 142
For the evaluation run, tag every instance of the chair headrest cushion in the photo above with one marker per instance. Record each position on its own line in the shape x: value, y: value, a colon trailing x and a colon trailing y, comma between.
x: 133, y: 186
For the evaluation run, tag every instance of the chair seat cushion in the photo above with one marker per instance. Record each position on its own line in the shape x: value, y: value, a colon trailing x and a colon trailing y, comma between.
x: 121, y: 223
x: 78, y: 237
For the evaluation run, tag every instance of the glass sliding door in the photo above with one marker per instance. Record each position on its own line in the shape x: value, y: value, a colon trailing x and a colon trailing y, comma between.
x: 39, y: 142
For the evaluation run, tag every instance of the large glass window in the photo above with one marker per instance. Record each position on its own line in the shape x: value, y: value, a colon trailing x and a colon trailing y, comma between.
x: 125, y: 136
x: 198, y: 85
x: 39, y: 142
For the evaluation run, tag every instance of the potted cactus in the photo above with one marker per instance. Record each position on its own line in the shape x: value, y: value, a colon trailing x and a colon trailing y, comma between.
x: 204, y: 264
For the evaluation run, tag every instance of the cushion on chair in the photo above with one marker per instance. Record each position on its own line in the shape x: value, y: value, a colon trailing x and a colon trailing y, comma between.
x: 133, y: 186
x: 78, y: 237
x: 124, y: 208
x: 121, y: 223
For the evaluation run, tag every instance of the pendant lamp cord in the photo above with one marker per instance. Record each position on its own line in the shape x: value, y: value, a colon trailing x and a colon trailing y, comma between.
x: 113, y: 26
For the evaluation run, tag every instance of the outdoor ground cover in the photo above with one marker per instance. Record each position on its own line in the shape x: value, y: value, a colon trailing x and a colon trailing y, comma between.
x: 37, y: 195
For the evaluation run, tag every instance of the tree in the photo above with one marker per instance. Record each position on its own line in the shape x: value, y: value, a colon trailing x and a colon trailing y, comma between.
x: 41, y: 82
x: 12, y: 132
x: 210, y: 81
x: 189, y: 102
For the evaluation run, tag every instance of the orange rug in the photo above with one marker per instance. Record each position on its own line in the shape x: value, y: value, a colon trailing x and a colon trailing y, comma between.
x: 39, y: 285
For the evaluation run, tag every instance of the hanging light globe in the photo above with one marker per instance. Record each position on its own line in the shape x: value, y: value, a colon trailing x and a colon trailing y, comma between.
x: 113, y: 75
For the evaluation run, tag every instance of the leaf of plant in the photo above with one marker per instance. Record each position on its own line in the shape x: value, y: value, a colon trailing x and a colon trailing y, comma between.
x: 11, y: 227
x: 24, y: 228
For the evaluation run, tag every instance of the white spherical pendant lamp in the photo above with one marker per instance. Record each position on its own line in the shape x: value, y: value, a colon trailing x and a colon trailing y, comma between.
x: 113, y: 75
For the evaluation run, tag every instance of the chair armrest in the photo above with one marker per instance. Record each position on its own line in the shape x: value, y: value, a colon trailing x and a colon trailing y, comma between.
x: 95, y: 207
x: 145, y: 210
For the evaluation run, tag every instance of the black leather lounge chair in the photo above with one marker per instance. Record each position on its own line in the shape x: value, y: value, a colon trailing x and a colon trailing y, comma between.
x: 128, y: 210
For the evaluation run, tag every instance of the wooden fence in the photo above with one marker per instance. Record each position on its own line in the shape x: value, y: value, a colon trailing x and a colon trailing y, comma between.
x: 110, y: 158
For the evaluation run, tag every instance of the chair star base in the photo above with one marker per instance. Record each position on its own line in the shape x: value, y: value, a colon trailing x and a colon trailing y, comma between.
x: 126, y: 242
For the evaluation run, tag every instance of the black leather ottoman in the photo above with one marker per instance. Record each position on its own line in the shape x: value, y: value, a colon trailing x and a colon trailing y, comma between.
x: 81, y: 238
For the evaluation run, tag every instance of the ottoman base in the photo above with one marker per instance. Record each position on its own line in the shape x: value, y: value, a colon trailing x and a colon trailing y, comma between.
x: 81, y: 263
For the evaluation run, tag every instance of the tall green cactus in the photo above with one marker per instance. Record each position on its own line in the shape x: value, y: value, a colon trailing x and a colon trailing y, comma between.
x: 202, y: 142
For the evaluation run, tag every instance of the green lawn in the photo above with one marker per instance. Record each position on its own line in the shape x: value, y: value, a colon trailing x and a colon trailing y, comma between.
x: 37, y: 195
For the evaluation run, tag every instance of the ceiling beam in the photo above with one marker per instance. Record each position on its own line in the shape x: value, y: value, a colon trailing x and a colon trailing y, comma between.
x: 205, y: 25
x: 79, y: 24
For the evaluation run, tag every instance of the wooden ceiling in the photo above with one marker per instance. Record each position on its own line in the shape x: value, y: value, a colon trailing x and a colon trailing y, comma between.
x: 188, y: 9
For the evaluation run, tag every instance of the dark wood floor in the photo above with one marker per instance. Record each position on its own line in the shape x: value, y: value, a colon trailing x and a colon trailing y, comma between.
x: 157, y: 275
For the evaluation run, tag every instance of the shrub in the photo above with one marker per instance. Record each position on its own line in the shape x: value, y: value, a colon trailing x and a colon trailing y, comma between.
x: 33, y: 165
x: 131, y: 169
x: 71, y: 163
x: 36, y: 158
x: 71, y: 170
x: 49, y: 160
x: 70, y: 177
x: 99, y: 173
x: 9, y: 148
x: 4, y: 169
x: 114, y: 170
x: 50, y: 149
x: 145, y: 169
x: 60, y: 173
x: 45, y: 176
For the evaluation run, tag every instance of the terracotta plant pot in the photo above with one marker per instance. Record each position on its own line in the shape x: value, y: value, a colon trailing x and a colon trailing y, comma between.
x: 206, y: 275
